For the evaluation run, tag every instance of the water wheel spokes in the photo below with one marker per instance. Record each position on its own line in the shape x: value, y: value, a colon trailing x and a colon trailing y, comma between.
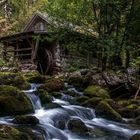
x: 46, y: 62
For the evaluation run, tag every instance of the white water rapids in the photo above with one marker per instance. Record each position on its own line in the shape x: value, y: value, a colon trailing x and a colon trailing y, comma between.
x: 49, y: 121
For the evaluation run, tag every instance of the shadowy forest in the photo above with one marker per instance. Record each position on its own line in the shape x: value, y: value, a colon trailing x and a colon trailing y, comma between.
x: 107, y: 30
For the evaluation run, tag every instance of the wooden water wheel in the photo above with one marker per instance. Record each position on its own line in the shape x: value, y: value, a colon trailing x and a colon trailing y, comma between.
x: 45, y: 62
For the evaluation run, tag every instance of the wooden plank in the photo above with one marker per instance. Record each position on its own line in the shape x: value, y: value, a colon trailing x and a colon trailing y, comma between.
x: 34, y: 52
x: 19, y: 50
x: 23, y: 55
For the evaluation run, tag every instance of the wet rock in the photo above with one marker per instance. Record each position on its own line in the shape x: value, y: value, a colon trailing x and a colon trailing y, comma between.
x: 95, y: 132
x: 84, y: 71
x: 60, y: 124
x: 11, y: 133
x: 76, y: 79
x: 137, y: 120
x: 129, y: 108
x: 35, y: 77
x: 103, y: 109
x: 53, y: 105
x: 135, y: 137
x: 14, y: 79
x: 77, y: 126
x: 13, y: 101
x: 55, y: 94
x: 81, y: 99
x: 93, y: 102
x: 96, y: 91
x: 32, y: 120
x: 45, y: 98
x: 97, y: 79
x: 71, y: 93
x: 121, y: 84
x: 53, y: 84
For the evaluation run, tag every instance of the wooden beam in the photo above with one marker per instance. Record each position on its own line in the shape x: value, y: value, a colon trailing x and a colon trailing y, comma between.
x: 23, y: 55
x: 34, y: 52
x: 19, y: 50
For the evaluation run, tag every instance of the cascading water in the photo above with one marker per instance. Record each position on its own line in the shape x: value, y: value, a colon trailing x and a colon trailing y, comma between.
x: 49, y: 119
x: 55, y: 121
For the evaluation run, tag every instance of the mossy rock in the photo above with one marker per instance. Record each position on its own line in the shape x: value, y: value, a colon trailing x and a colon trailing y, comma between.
x: 127, y: 112
x: 138, y: 120
x: 129, y: 108
x: 32, y: 120
x: 103, y: 109
x: 13, y: 101
x: 81, y: 99
x: 45, y: 98
x: 135, y: 137
x: 77, y: 126
x: 93, y: 102
x: 53, y: 84
x: 35, y: 77
x: 96, y: 91
x: 53, y: 105
x: 14, y: 79
x: 76, y: 80
x: 11, y: 133
x: 55, y: 94
x: 71, y: 93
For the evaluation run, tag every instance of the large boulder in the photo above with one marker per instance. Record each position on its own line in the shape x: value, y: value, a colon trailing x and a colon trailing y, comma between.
x: 135, y: 137
x: 35, y: 77
x: 129, y: 108
x: 11, y: 133
x: 14, y: 79
x: 103, y: 109
x: 53, y: 105
x: 77, y: 126
x: 53, y: 84
x: 122, y: 84
x: 45, y: 98
x: 93, y: 102
x: 81, y: 99
x: 96, y: 91
x: 76, y: 79
x: 32, y: 120
x: 13, y: 101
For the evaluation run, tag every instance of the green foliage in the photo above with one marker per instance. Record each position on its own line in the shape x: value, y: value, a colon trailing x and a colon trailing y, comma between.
x: 135, y: 62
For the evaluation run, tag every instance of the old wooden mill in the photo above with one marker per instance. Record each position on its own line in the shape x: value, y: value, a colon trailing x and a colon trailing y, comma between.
x: 31, y: 45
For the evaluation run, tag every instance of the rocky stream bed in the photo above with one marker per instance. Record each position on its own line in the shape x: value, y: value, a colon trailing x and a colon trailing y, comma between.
x: 84, y: 105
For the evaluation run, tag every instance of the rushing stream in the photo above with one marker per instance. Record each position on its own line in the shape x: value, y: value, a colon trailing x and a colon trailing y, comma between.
x: 52, y: 119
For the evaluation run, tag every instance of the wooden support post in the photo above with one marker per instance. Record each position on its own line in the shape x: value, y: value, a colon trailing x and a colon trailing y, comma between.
x: 5, y: 52
x: 34, y: 51
x: 137, y: 93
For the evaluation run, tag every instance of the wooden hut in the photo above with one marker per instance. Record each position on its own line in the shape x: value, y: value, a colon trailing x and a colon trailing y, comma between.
x: 31, y: 46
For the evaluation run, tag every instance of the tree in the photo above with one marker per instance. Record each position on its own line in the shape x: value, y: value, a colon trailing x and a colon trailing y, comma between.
x: 109, y: 20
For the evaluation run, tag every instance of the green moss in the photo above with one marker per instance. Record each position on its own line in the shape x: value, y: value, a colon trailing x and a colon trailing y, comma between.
x: 53, y: 84
x: 14, y: 79
x: 103, y: 109
x: 44, y: 97
x: 76, y: 80
x: 82, y: 99
x: 13, y: 101
x: 96, y: 91
x: 11, y: 133
x: 132, y: 106
x: 93, y: 102
x: 35, y: 77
